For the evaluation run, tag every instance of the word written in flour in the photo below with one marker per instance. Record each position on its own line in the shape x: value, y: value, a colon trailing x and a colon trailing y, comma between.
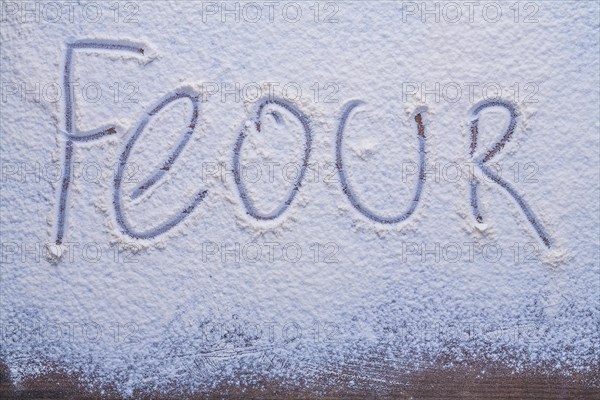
x: 72, y: 136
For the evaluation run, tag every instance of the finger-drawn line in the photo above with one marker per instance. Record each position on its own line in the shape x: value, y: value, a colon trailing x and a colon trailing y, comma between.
x: 481, y: 161
x: 168, y: 163
x: 107, y: 44
x: 347, y: 189
x: 474, y: 202
x: 175, y: 219
x: 71, y: 133
x: 250, y: 209
x: 91, y: 136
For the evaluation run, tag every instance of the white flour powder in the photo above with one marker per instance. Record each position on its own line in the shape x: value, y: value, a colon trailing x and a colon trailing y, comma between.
x: 223, y: 296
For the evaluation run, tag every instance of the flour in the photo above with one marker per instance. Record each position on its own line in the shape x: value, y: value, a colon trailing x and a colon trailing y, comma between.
x: 224, y: 297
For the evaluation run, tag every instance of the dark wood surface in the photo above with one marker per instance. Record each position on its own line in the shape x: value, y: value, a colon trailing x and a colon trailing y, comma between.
x: 464, y: 382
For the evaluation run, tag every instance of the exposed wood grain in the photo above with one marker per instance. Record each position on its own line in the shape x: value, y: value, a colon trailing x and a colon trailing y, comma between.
x: 464, y: 382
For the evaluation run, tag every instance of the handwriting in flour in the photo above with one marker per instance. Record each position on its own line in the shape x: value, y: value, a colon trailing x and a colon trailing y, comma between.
x: 166, y: 166
x: 250, y: 209
x: 72, y: 136
x: 418, y: 117
x: 481, y: 163
x: 71, y: 131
